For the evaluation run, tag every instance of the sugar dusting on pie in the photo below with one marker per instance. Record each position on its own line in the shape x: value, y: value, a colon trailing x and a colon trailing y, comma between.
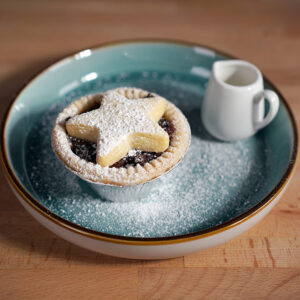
x: 124, y: 120
x: 120, y: 125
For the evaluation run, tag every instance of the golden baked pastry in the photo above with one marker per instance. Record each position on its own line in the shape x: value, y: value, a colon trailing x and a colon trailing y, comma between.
x: 124, y: 136
x: 121, y: 124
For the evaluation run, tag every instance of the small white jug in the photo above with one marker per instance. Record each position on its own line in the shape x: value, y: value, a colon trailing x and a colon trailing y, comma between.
x: 233, y: 105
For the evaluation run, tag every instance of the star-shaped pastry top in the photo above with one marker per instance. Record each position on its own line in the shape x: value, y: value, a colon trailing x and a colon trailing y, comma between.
x: 122, y: 124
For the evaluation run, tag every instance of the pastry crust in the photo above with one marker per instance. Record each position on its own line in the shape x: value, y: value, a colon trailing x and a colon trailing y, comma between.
x: 120, y: 176
x: 121, y: 124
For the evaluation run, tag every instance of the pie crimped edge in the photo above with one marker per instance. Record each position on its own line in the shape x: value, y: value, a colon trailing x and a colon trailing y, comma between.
x: 120, y: 176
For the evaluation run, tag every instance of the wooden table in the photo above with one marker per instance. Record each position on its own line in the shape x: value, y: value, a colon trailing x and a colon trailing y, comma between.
x: 262, y: 263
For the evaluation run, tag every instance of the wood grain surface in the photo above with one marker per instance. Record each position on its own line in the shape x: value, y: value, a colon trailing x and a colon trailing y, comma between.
x: 263, y: 263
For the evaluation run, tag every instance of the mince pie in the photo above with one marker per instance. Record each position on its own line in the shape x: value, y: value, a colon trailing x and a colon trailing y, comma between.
x: 125, y: 136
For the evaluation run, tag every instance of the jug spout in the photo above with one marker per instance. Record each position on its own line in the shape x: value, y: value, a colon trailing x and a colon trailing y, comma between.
x: 235, y: 73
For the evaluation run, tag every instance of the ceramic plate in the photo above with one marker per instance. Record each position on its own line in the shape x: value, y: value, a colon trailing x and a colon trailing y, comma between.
x: 218, y: 185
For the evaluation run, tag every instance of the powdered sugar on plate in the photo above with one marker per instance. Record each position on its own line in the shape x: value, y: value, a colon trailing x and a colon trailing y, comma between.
x: 215, y: 182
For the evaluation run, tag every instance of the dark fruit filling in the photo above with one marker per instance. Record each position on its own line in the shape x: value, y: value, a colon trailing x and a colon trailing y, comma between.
x: 149, y: 95
x: 93, y: 107
x: 87, y: 150
x: 140, y: 157
x: 167, y: 126
x: 84, y: 149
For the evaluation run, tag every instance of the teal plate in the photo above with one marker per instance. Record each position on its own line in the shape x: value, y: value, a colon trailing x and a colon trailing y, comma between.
x: 216, y: 184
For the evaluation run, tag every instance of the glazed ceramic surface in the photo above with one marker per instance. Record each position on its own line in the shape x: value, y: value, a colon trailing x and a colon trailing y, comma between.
x: 233, y: 106
x: 220, y: 190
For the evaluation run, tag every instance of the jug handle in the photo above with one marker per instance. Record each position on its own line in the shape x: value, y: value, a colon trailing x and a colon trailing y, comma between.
x: 273, y: 108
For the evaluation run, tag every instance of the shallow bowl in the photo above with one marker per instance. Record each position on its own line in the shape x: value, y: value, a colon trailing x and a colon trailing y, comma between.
x: 221, y: 190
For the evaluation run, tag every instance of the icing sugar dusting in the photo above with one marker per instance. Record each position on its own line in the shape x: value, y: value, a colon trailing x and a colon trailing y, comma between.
x: 215, y: 182
x: 118, y: 117
x: 133, y: 152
